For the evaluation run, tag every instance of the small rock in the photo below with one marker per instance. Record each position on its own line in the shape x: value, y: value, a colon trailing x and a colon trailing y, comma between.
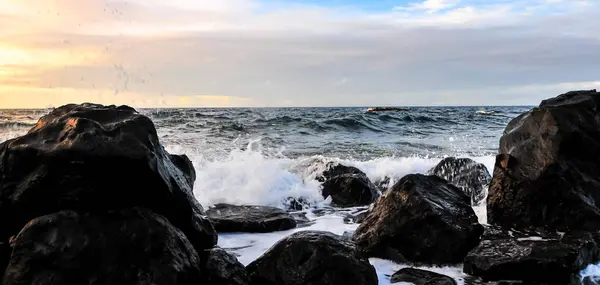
x: 222, y: 268
x: 421, y: 277
x: 312, y: 258
x: 347, y: 186
x: 552, y: 259
x: 251, y: 219
x: 422, y: 218
x: 296, y: 204
x: 301, y: 220
x: 472, y: 177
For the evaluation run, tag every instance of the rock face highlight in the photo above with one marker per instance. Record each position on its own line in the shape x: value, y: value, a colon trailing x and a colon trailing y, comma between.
x: 312, y: 258
x: 548, y: 171
x: 133, y: 246
x: 347, y: 186
x: 251, y: 219
x: 423, y: 218
x: 472, y: 177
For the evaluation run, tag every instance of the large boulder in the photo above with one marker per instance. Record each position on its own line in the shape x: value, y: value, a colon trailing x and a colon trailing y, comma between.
x: 423, y: 218
x: 252, y: 219
x: 548, y: 171
x: 347, y: 186
x: 95, y: 158
x: 312, y: 258
x: 470, y: 176
x: 222, y: 268
x: 131, y: 246
x: 533, y: 258
x: 421, y: 277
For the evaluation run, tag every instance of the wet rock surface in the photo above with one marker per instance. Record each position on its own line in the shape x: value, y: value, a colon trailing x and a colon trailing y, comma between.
x: 548, y: 171
x: 253, y: 219
x: 421, y: 277
x: 472, y: 177
x: 223, y: 268
x: 533, y: 258
x: 133, y: 246
x: 90, y: 196
x: 347, y: 186
x: 422, y: 218
x: 311, y: 258
x: 95, y: 158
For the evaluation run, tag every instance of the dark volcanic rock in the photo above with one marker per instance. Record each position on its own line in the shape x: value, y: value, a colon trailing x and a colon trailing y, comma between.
x: 253, y: 219
x: 95, y: 158
x: 548, y: 171
x: 421, y: 277
x: 222, y: 268
x: 472, y: 177
x: 347, y: 186
x: 425, y: 219
x: 133, y: 246
x: 538, y: 259
x: 312, y: 258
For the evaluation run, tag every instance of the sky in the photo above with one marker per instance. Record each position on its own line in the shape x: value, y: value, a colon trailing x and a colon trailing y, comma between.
x: 272, y: 53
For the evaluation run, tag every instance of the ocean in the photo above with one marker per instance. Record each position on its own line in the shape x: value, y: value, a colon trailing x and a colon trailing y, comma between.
x: 262, y: 156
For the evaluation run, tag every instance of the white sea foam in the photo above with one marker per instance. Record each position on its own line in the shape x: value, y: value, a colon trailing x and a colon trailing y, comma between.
x: 253, y: 177
x: 249, y: 247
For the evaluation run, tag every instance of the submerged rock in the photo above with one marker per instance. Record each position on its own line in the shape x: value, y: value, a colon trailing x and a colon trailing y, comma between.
x: 222, y: 268
x: 312, y: 258
x: 472, y: 177
x: 536, y: 258
x: 548, y: 171
x: 252, y: 219
x: 421, y: 277
x: 96, y: 158
x: 423, y: 218
x: 347, y: 186
x: 133, y: 246
x: 386, y: 109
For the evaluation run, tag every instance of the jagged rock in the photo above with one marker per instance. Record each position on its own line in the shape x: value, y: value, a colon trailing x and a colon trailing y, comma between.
x: 422, y: 218
x: 347, y: 186
x: 253, y: 219
x: 312, y: 258
x: 472, y: 177
x: 421, y: 277
x: 534, y: 258
x: 548, y: 171
x: 96, y: 158
x: 222, y: 268
x: 132, y: 246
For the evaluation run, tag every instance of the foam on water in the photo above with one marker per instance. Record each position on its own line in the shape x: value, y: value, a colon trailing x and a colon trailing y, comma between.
x: 252, y: 176
x: 249, y: 247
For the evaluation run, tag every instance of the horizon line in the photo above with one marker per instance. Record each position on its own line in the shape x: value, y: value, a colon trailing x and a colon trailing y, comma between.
x: 274, y: 107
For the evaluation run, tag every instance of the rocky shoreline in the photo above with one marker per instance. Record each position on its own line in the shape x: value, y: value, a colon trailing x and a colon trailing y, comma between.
x: 90, y: 196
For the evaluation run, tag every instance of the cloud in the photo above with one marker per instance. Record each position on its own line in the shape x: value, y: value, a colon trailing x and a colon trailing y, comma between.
x: 248, y: 53
x: 430, y: 6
